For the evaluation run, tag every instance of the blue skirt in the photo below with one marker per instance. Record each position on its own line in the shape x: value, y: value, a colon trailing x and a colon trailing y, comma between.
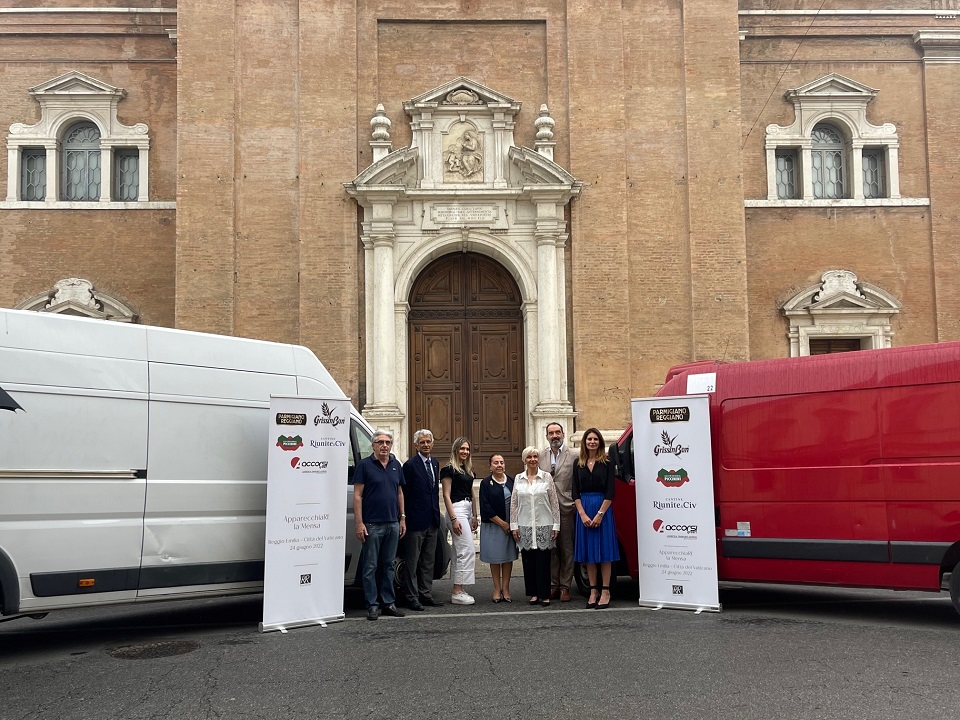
x: 596, y: 545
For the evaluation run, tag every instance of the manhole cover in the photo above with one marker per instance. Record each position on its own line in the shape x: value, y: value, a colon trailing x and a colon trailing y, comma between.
x: 146, y: 651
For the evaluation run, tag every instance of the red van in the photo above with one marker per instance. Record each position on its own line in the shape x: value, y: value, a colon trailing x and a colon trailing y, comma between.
x: 836, y: 469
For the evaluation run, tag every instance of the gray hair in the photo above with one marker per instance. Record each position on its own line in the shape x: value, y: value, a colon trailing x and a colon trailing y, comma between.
x: 382, y: 433
x: 531, y: 450
x: 421, y: 433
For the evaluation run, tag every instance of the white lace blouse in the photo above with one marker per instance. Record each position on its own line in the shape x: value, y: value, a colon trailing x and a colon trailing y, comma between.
x: 534, y: 511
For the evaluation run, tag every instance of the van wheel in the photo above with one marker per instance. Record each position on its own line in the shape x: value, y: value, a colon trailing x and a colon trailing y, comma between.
x: 955, y: 587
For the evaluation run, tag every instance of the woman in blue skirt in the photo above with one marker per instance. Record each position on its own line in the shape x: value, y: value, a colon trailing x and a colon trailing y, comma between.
x: 596, y: 540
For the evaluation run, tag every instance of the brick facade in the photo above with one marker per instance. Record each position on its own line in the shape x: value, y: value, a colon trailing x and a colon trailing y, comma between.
x: 259, y: 112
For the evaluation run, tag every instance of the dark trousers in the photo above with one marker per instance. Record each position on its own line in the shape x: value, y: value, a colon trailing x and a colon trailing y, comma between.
x: 419, y: 551
x: 536, y: 573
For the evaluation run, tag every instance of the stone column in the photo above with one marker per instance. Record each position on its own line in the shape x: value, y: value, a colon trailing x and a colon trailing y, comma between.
x: 13, y: 170
x: 52, y: 150
x: 106, y: 172
x: 382, y: 408
x: 552, y: 402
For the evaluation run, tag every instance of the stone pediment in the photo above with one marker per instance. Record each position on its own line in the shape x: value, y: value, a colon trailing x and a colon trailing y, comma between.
x: 76, y: 83
x: 844, y: 301
x: 832, y: 86
x: 535, y: 169
x: 399, y: 168
x: 839, y: 291
x: 461, y: 92
x: 462, y: 146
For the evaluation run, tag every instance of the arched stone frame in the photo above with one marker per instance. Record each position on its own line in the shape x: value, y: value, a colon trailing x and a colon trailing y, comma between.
x: 516, y: 216
x: 65, y: 100
x: 840, y: 306
x: 505, y: 253
x: 841, y: 102
x: 77, y: 296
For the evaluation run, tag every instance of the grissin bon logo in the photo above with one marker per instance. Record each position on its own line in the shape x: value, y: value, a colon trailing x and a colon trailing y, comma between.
x: 289, y: 442
x: 672, y: 478
x: 670, y: 446
x: 327, y: 417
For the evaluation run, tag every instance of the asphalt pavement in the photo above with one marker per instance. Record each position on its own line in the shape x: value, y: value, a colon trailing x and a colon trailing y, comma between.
x: 800, y: 653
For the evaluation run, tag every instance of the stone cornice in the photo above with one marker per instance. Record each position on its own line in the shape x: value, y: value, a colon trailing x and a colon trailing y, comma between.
x: 939, y: 46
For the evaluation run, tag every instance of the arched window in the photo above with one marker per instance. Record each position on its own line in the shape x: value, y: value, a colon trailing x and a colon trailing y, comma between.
x: 831, y: 154
x: 81, y: 163
x: 827, y: 159
x: 65, y: 157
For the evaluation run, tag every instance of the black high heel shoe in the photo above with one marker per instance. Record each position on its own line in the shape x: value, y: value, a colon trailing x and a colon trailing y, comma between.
x: 592, y: 605
x: 600, y: 605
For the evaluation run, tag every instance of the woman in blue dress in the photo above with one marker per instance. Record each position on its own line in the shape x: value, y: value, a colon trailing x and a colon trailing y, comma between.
x: 596, y: 534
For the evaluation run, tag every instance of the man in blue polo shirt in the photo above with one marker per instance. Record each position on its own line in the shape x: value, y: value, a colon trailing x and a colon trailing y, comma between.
x: 380, y: 522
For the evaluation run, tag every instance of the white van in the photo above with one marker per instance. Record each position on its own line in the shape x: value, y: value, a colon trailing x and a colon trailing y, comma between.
x: 137, y: 467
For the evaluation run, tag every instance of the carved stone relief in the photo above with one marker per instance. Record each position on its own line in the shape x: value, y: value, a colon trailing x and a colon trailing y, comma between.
x: 463, y: 154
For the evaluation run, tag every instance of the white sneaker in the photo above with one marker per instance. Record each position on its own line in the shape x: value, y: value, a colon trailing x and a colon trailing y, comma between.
x: 462, y: 598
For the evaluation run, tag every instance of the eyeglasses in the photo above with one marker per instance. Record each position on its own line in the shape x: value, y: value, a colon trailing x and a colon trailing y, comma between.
x: 383, y: 442
x: 553, y: 468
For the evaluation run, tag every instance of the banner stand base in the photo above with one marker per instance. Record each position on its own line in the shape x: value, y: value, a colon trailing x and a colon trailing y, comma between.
x: 656, y: 605
x: 283, y: 627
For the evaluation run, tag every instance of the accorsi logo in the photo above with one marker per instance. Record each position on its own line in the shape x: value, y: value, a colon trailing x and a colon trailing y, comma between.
x: 672, y: 478
x: 661, y: 527
x: 326, y: 417
x: 289, y: 442
x: 308, y: 465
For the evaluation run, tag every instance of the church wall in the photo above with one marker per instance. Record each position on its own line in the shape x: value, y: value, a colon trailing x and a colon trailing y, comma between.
x: 127, y: 253
x: 330, y: 253
x: 660, y: 111
x: 789, y: 248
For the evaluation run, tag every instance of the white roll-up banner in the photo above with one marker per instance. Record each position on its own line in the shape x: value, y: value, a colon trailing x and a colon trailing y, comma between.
x: 309, y: 443
x: 676, y: 536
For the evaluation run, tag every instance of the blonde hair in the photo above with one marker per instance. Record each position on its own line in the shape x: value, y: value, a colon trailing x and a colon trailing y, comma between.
x: 601, y: 451
x: 528, y: 451
x: 466, y: 467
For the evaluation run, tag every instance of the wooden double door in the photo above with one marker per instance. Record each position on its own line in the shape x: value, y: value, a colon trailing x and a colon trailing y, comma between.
x: 466, y: 358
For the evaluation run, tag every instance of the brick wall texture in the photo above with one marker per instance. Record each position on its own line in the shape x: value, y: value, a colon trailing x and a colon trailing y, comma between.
x: 260, y: 112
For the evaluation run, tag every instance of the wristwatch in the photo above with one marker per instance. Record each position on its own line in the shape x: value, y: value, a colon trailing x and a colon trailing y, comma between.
x: 403, y: 516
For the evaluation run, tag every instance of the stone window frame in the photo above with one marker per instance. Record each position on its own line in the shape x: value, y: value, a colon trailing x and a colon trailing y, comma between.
x: 840, y: 306
x: 64, y: 101
x: 78, y: 296
x: 842, y: 103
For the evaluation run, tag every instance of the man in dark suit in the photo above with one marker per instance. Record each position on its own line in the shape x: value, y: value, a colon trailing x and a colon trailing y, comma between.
x: 421, y: 492
x: 557, y: 459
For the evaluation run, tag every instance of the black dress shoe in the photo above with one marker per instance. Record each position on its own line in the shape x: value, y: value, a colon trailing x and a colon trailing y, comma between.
x: 415, y: 605
x: 373, y: 612
x: 393, y: 611
x: 430, y: 602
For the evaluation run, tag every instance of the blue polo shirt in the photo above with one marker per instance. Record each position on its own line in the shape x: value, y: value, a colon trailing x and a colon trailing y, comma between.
x: 380, y: 488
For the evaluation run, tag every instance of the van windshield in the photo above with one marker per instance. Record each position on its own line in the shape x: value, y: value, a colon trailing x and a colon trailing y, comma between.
x: 361, y: 445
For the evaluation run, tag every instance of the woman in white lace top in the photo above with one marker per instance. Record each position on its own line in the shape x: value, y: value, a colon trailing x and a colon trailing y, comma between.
x: 535, y: 522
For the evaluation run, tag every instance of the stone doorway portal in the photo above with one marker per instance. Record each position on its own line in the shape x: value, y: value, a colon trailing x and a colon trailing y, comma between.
x: 466, y: 369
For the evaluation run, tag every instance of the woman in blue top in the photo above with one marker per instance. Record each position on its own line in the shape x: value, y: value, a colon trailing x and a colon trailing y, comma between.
x: 596, y: 535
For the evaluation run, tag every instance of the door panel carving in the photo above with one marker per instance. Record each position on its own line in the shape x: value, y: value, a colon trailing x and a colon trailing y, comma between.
x: 466, y: 357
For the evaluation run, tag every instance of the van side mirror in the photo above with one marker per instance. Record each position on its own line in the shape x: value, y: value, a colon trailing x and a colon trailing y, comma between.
x: 613, y: 454
x: 622, y: 462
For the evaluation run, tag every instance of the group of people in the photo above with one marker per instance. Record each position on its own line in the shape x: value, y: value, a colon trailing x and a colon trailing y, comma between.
x: 554, y: 513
